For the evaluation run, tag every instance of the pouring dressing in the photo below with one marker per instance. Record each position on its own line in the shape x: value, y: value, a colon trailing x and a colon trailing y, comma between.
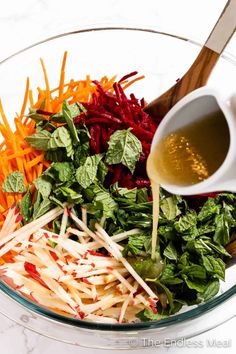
x: 193, y: 149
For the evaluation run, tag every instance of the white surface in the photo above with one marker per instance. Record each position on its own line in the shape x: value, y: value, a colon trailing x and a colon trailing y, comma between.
x: 27, y: 21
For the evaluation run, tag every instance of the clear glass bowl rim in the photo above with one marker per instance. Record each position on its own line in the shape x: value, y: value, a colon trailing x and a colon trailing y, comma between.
x: 173, y: 320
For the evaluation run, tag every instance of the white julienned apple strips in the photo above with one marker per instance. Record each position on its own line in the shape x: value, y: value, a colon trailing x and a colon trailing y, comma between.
x: 69, y: 276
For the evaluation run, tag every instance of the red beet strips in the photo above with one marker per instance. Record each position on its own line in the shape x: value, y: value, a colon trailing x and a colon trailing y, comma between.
x: 109, y: 112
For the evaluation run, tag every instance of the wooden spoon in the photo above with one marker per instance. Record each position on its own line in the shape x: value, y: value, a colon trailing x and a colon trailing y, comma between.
x: 202, y: 67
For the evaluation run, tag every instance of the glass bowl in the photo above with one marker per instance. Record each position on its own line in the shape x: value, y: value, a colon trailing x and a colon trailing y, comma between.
x: 162, y: 58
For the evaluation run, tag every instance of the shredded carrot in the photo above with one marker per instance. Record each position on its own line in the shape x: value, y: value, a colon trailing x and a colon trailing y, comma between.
x: 3, y: 131
x: 46, y: 164
x: 62, y: 77
x: 4, y: 118
x: 20, y: 153
x: 47, y: 92
x: 133, y: 81
x: 18, y: 160
x: 35, y: 161
x: 10, y: 199
x: 31, y: 99
x: 39, y: 169
x: 20, y: 128
x: 25, y: 98
x: 15, y: 153
x: 28, y: 173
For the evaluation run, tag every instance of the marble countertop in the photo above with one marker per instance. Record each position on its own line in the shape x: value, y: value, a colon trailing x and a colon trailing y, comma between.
x: 28, y: 21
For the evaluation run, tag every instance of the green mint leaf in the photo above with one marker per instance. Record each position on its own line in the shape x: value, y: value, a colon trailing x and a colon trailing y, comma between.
x: 57, y: 155
x: 56, y: 201
x: 135, y: 207
x: 81, y: 153
x: 176, y: 306
x: 102, y: 171
x: 141, y: 220
x: 169, y: 275
x: 126, y: 193
x: 51, y: 174
x: 35, y: 116
x: 190, y: 234
x: 184, y: 259
x: 148, y: 315
x: 169, y: 207
x: 80, y: 156
x: 80, y: 107
x: 135, y: 244
x: 211, y: 290
x: 209, y: 210
x: 198, y: 246
x: 37, y: 202
x: 14, y: 183
x: 104, y: 201
x: 43, y: 185
x: 229, y: 197
x: 199, y: 286
x: 221, y: 236
x: 41, y: 207
x: 39, y: 140
x: 186, y: 221
x: 61, y: 138
x: 76, y: 109
x: 71, y: 195
x: 194, y: 271
x: 217, y: 248
x: 65, y: 170
x: 166, y: 233
x: 142, y: 195
x: 167, y: 292
x: 206, y: 229
x: 124, y: 147
x: 170, y: 252
x: 84, y: 135
x: 25, y: 206
x: 57, y: 118
x: 69, y: 114
x: 56, y: 225
x: 87, y: 173
x: 214, y: 266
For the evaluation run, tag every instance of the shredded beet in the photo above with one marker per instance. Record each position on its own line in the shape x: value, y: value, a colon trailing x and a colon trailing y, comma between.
x: 109, y: 112
x: 128, y: 76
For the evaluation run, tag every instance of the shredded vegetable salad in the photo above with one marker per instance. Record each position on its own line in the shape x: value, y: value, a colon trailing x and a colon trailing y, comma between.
x: 76, y: 209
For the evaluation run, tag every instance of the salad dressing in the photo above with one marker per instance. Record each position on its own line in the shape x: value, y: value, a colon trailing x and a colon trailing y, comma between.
x: 155, y: 209
x: 155, y: 216
x: 192, y: 153
x: 187, y: 156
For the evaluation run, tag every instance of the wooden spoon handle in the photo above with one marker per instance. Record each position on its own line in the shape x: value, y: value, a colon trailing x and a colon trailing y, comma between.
x: 199, y: 72
x: 196, y: 76
x: 224, y: 28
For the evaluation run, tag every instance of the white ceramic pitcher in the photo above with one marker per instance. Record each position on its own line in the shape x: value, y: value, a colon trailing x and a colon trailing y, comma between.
x: 191, y: 108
